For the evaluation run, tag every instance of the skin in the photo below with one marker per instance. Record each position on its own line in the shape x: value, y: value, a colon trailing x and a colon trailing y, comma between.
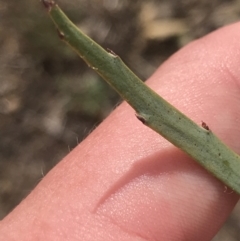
x: 125, y: 182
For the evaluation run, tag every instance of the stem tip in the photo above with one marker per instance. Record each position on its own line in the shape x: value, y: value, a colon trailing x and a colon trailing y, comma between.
x: 48, y: 4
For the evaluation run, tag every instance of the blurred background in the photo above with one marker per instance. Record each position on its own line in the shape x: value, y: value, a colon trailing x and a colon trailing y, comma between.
x: 50, y: 100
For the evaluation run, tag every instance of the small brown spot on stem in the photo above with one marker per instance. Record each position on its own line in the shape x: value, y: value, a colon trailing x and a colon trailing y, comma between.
x: 48, y: 4
x: 205, y: 126
x: 141, y: 118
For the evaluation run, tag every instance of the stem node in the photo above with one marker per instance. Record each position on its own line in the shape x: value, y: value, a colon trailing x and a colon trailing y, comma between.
x: 141, y: 118
x: 60, y: 34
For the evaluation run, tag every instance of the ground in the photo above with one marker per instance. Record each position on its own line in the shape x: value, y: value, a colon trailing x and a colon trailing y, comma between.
x: 50, y: 100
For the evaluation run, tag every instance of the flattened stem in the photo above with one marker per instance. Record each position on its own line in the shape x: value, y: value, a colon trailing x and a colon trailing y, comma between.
x: 152, y: 110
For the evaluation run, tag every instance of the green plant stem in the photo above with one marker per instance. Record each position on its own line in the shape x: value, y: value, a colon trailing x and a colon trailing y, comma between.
x: 156, y: 113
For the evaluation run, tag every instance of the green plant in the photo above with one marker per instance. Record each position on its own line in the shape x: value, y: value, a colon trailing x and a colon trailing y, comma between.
x: 151, y: 109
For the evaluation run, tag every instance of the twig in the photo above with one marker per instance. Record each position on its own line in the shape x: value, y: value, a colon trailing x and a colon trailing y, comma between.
x: 151, y: 109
